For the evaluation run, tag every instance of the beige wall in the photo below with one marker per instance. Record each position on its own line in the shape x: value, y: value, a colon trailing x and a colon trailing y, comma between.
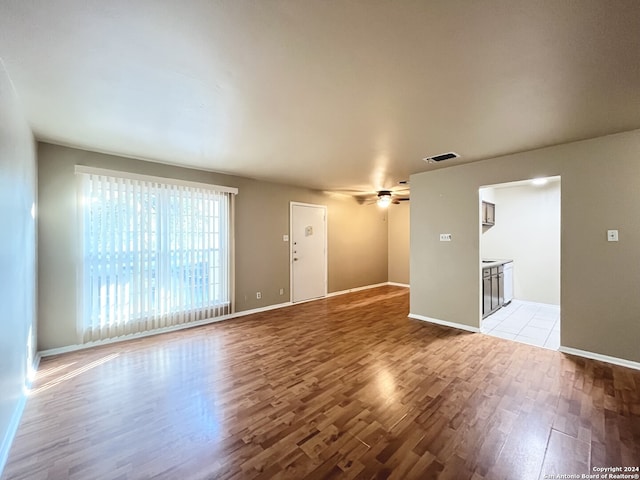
x: 17, y: 257
x: 527, y: 230
x: 357, y: 236
x: 399, y: 243
x: 600, y: 280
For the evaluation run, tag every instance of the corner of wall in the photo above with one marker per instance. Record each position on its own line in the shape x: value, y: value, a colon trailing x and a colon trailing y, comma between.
x: 18, y: 185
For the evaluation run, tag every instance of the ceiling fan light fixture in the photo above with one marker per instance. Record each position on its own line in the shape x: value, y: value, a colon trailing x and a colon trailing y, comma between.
x: 384, y: 199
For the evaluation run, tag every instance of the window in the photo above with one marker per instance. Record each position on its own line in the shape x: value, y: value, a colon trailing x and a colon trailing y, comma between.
x: 154, y: 253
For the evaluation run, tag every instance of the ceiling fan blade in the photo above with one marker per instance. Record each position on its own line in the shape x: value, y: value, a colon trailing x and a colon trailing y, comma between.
x: 366, y: 199
x: 353, y: 191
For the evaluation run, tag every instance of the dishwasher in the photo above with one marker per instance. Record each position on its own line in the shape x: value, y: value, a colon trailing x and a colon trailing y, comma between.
x: 508, y: 283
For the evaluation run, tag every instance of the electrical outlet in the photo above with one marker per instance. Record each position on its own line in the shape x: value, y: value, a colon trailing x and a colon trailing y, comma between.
x: 285, y: 238
x: 612, y: 235
x: 258, y: 295
x: 445, y: 237
x: 282, y: 291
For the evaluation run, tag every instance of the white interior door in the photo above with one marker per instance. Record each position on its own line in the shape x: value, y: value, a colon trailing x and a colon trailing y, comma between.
x: 308, y: 251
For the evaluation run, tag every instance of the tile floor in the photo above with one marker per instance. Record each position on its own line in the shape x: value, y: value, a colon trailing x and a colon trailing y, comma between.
x: 527, y: 322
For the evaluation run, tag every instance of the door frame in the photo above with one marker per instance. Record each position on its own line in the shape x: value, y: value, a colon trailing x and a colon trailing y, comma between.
x: 326, y: 268
x: 524, y: 181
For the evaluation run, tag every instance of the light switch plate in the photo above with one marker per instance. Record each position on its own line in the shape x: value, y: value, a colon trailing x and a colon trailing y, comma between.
x: 612, y: 235
x: 285, y: 238
x: 445, y: 237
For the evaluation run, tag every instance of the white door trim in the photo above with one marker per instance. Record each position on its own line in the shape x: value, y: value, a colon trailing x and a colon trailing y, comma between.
x: 326, y: 223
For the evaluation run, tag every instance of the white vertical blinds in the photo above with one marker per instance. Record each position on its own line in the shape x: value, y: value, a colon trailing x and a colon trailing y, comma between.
x: 154, y: 253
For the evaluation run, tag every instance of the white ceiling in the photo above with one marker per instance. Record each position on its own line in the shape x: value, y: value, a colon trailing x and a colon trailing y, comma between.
x: 326, y: 94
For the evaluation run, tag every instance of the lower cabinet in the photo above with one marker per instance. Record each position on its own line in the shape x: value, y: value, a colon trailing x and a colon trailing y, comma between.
x: 486, y: 292
x: 492, y: 289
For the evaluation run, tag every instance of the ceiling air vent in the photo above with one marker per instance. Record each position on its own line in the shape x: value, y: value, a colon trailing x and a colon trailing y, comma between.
x: 441, y: 157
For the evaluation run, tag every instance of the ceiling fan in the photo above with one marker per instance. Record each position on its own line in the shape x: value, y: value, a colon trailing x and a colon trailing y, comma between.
x: 383, y: 197
x: 388, y: 197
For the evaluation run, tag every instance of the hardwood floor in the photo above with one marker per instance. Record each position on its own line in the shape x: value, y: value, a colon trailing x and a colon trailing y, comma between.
x: 345, y: 387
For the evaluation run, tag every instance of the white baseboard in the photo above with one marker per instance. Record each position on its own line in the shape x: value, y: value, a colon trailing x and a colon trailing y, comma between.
x: 444, y: 323
x: 82, y: 346
x: 262, y: 309
x: 530, y: 302
x: 49, y: 352
x: 12, y: 429
x: 357, y: 289
x: 351, y: 290
x: 73, y: 348
x: 603, y: 358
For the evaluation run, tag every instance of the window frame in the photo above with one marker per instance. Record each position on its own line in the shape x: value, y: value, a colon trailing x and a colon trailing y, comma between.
x: 163, y: 187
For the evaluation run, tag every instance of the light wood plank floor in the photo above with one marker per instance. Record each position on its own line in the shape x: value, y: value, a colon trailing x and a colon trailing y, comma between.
x: 345, y: 387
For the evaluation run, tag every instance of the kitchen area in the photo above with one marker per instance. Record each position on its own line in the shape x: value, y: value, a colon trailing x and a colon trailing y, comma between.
x: 520, y: 261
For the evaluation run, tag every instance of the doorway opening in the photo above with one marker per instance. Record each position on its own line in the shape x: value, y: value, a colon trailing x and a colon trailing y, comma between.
x: 520, y: 261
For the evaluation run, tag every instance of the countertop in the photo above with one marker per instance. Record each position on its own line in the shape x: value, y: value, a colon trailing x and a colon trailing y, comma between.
x: 494, y: 263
